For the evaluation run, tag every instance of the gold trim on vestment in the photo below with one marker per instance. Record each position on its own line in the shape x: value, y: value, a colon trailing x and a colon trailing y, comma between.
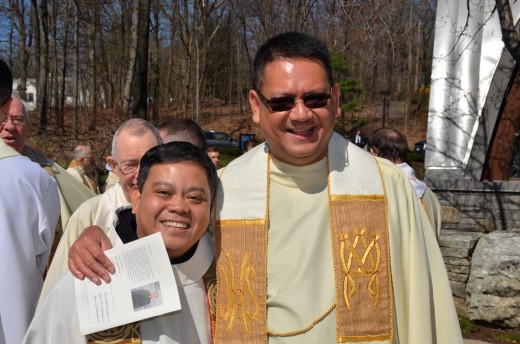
x: 255, y: 222
x: 374, y: 198
x: 360, y: 246
x: 241, y: 313
x: 357, y: 339
x: 303, y: 330
x: 361, y: 268
x: 125, y: 334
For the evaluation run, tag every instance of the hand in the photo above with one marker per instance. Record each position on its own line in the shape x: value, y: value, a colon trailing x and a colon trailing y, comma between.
x: 86, y: 256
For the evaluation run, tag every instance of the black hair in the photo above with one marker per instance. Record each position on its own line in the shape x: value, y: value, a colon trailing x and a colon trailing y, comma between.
x: 290, y: 45
x: 177, y: 152
x: 390, y: 144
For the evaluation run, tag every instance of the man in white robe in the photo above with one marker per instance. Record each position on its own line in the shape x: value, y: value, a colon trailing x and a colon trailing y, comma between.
x: 131, y: 140
x: 178, y: 208
x: 29, y: 212
x: 83, y: 163
x: 391, y: 144
x: 14, y: 133
x: 316, y: 241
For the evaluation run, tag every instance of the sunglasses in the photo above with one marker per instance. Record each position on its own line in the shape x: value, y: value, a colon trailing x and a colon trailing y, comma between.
x: 286, y: 103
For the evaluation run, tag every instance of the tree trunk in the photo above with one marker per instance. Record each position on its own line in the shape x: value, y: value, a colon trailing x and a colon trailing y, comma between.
x: 130, y: 74
x: 61, y: 105
x: 75, y: 72
x: 42, y: 43
x: 155, y: 65
x: 19, y: 12
x: 140, y: 89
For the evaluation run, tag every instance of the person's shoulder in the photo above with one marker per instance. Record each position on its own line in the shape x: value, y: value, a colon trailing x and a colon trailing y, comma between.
x: 390, y: 171
x: 89, y: 206
x: 26, y: 168
x: 250, y: 160
x: 388, y: 167
x: 36, y: 156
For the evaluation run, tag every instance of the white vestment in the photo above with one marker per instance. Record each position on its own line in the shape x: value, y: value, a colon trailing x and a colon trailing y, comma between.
x: 80, y: 175
x: 56, y: 320
x: 72, y: 193
x: 433, y: 207
x: 300, y: 276
x: 99, y: 210
x: 29, y: 212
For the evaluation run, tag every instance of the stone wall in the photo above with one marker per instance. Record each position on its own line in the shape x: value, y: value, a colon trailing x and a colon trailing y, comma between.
x: 470, y: 212
x: 479, y: 206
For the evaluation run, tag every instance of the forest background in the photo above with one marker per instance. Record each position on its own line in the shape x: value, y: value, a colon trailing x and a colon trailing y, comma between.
x: 96, y: 63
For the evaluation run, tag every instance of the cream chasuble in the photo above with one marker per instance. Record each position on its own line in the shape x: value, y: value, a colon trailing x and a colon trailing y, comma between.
x: 99, y: 210
x: 305, y: 301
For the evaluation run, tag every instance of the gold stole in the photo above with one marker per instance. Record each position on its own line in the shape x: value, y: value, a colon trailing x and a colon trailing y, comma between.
x: 87, y: 180
x: 359, y: 228
x: 125, y: 334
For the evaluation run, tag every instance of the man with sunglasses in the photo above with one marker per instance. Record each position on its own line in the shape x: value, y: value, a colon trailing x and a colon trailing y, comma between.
x: 330, y: 244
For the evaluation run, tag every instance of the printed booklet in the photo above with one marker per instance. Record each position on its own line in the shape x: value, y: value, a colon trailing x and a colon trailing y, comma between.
x: 142, y: 287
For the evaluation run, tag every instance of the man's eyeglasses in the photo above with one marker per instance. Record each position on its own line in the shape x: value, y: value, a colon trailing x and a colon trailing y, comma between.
x: 17, y: 120
x: 128, y: 166
x: 286, y: 103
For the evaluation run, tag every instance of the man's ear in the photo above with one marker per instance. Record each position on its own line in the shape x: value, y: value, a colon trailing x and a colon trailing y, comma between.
x: 255, y: 106
x: 112, y: 163
x: 136, y: 199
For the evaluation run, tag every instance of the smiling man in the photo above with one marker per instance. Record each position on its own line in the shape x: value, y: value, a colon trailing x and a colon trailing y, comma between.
x: 316, y: 240
x: 341, y: 249
x: 131, y: 140
x: 173, y: 195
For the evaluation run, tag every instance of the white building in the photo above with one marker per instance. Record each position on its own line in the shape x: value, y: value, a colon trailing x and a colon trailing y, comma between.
x: 30, y: 92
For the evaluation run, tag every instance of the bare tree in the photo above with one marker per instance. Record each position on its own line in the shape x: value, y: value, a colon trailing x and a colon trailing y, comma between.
x: 19, y: 11
x: 130, y: 72
x: 155, y: 63
x: 510, y: 36
x: 40, y: 16
x: 140, y: 89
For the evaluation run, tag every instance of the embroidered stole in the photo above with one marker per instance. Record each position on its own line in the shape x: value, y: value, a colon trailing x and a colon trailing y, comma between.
x: 125, y: 334
x: 360, y: 247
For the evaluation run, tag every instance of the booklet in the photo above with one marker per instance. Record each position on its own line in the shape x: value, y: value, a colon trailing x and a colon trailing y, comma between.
x: 142, y: 287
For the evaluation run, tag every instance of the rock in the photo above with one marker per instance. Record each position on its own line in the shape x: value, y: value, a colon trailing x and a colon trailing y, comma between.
x: 458, y: 244
x: 493, y: 288
x: 460, y: 306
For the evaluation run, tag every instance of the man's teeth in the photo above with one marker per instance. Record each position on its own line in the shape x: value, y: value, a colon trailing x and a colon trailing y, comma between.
x: 300, y: 131
x: 175, y: 224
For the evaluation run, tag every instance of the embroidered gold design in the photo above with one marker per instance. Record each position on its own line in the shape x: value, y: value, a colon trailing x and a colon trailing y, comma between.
x: 237, y: 293
x: 349, y: 198
x: 360, y: 256
x: 125, y: 334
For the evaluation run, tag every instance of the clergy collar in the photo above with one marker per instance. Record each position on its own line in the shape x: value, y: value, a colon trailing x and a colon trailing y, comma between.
x: 126, y: 229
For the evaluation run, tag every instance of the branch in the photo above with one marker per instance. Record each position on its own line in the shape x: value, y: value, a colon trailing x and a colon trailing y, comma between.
x: 510, y: 37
